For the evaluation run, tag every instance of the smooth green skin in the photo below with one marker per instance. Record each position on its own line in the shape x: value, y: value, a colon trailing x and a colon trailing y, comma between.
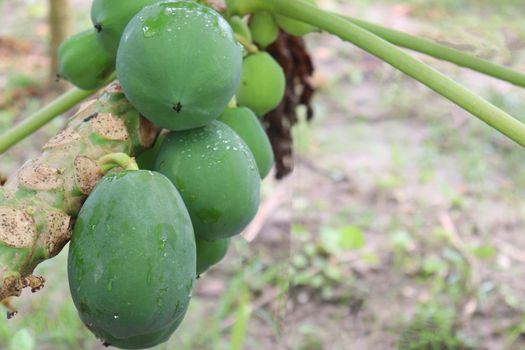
x: 262, y: 84
x: 295, y: 27
x: 110, y: 17
x: 132, y: 258
x: 210, y: 253
x: 179, y: 64
x: 146, y: 160
x: 217, y: 176
x: 246, y: 124
x: 241, y: 28
x: 83, y: 62
x: 264, y: 28
x: 145, y: 341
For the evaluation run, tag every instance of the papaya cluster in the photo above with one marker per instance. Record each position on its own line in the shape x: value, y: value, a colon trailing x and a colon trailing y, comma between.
x: 144, y: 235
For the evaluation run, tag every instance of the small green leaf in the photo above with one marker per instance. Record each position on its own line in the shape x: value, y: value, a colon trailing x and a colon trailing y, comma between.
x: 330, y: 240
x: 371, y: 259
x: 310, y: 249
x: 22, y: 340
x: 299, y: 261
x: 334, y: 273
x: 485, y: 252
x: 334, y: 241
x: 401, y: 239
x: 351, y: 237
x: 299, y: 230
x: 433, y: 265
x: 19, y: 81
x: 317, y: 282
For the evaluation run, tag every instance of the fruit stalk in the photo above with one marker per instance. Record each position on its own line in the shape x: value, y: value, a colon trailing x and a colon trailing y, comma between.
x: 442, y: 52
x: 39, y: 204
x: 346, y: 30
x: 44, y: 116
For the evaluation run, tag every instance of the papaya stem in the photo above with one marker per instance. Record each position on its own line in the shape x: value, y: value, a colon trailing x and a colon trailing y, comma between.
x: 113, y: 160
x: 352, y: 33
x: 442, y: 52
x: 40, y: 118
x: 250, y: 47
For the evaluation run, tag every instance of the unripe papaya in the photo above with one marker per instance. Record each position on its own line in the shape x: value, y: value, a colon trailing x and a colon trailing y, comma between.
x: 110, y: 17
x: 262, y: 83
x: 246, y: 124
x: 264, y: 28
x: 210, y: 253
x: 179, y: 64
x: 146, y: 160
x: 83, y: 62
x: 132, y: 259
x: 241, y: 28
x: 217, y: 177
x: 293, y: 26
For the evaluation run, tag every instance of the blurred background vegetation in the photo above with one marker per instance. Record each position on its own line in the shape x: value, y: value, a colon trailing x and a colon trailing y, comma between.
x: 401, y: 228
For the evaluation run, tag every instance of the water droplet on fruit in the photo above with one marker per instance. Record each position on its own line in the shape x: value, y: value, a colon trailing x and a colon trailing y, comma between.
x: 115, y: 316
x: 148, y: 31
x: 163, y: 242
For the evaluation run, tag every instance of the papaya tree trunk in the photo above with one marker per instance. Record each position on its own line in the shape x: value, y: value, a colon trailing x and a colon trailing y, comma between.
x: 38, y: 205
x: 60, y: 26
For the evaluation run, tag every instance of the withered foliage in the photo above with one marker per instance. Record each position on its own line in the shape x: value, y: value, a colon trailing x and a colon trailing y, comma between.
x: 292, y: 54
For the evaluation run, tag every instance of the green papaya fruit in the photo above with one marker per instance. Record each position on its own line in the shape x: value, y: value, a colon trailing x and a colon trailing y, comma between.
x: 246, y: 124
x: 146, y: 160
x: 217, y: 177
x: 83, y: 62
x: 264, y: 28
x: 110, y: 17
x: 210, y: 253
x: 293, y: 26
x: 132, y: 259
x: 241, y: 28
x: 179, y: 64
x: 262, y: 83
